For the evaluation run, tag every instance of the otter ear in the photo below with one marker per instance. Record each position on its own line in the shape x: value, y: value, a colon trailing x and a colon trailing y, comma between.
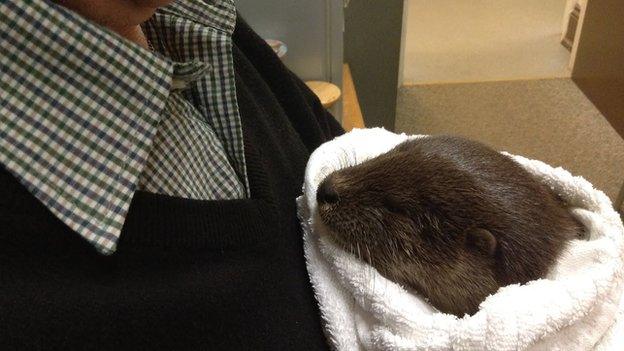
x: 482, y: 240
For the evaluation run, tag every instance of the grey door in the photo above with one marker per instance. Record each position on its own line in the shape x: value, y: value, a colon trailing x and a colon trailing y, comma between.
x: 372, y: 42
x: 599, y: 66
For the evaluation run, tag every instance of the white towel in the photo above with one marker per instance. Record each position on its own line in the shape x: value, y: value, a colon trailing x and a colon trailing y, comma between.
x: 578, y: 306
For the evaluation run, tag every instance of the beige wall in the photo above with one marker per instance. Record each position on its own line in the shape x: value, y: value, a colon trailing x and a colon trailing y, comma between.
x: 482, y: 40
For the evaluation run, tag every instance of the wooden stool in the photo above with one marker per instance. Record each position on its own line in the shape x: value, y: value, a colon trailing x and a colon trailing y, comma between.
x: 327, y: 92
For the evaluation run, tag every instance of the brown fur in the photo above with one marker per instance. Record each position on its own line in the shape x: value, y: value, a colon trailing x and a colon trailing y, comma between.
x: 448, y: 217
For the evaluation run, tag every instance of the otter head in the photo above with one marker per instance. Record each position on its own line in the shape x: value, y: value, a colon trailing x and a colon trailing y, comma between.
x: 397, y: 216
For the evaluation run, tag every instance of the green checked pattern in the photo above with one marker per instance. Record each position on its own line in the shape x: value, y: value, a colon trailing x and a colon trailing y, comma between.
x: 87, y: 118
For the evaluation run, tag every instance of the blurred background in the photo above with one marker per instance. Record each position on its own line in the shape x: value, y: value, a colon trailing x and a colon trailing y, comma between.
x: 541, y: 78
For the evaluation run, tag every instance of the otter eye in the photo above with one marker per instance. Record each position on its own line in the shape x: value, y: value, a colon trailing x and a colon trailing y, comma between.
x: 393, y: 205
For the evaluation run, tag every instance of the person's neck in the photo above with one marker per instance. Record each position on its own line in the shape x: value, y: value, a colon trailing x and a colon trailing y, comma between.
x: 134, y: 34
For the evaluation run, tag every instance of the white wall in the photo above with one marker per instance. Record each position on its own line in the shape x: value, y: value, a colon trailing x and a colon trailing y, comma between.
x: 312, y: 31
x: 482, y: 40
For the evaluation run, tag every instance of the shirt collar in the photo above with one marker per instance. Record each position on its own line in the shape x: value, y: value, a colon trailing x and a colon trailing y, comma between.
x: 185, y: 73
x: 216, y: 14
x: 80, y: 107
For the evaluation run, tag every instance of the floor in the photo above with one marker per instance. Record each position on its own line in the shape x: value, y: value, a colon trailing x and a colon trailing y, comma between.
x: 351, y: 111
x: 547, y: 119
x: 482, y: 40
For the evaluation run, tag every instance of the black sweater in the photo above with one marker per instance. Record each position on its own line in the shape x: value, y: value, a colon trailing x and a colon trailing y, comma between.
x: 188, y: 274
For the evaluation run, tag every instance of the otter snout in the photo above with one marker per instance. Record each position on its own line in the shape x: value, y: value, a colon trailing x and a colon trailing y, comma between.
x: 327, y: 193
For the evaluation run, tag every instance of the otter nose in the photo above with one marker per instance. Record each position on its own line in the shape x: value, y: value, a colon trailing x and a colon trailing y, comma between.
x: 326, y: 193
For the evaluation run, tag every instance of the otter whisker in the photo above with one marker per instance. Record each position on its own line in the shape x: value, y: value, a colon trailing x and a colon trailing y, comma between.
x: 359, y: 254
x: 370, y: 262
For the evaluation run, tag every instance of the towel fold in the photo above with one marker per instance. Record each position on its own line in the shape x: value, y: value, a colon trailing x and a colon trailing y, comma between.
x: 578, y: 306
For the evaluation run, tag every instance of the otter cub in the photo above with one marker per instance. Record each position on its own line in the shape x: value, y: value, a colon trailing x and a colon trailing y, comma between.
x: 448, y: 217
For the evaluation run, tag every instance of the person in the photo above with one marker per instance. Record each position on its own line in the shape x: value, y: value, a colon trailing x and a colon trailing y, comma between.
x: 151, y: 155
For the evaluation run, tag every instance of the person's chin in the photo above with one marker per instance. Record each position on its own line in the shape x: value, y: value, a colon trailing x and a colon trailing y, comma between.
x: 152, y: 3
